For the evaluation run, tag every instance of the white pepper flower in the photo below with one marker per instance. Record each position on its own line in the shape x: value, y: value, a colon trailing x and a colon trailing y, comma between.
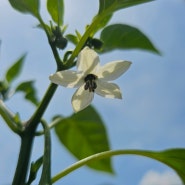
x: 91, y: 78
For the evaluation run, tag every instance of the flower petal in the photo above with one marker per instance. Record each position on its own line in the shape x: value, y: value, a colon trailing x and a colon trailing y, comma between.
x: 88, y: 60
x: 108, y: 90
x: 113, y: 70
x: 67, y: 78
x: 81, y: 99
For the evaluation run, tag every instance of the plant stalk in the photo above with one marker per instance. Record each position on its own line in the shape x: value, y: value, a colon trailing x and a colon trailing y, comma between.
x: 24, y: 158
x: 27, y: 137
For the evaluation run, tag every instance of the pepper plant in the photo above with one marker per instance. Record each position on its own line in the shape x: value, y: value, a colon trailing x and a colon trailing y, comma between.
x: 78, y: 68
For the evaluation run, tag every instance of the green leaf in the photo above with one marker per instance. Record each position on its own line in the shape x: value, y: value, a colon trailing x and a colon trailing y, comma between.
x: 110, y: 6
x: 13, y: 72
x: 121, y: 36
x: 72, y: 38
x: 56, y: 10
x: 34, y: 169
x: 26, y: 6
x: 175, y: 158
x: 84, y: 134
x: 28, y: 89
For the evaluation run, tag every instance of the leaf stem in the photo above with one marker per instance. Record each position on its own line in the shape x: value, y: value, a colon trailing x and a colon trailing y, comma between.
x: 46, y: 170
x: 99, y: 156
x: 82, y: 41
x: 51, y: 125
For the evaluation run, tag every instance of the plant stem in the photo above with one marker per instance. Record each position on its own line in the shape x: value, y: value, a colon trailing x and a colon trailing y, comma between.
x: 81, y: 43
x: 88, y: 33
x: 46, y: 170
x: 27, y: 137
x: 35, y: 119
x: 24, y: 158
x: 60, y: 65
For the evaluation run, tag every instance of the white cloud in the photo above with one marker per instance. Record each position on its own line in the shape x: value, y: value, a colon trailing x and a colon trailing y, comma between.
x: 156, y: 178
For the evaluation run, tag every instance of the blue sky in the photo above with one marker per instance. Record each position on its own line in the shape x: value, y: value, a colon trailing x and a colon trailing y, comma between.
x: 151, y: 114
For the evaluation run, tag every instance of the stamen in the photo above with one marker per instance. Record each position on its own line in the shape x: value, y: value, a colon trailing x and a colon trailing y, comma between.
x: 90, y: 82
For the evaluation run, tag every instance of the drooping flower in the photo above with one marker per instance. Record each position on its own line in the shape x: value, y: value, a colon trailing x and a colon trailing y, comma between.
x: 91, y: 78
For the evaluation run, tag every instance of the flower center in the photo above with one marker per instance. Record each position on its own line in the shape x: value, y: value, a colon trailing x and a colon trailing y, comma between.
x: 90, y: 82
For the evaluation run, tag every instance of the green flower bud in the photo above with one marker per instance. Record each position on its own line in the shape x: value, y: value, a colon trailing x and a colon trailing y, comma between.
x: 58, y: 39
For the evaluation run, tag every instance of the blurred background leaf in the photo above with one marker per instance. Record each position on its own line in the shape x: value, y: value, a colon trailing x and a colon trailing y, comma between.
x: 26, y: 6
x: 11, y: 74
x: 14, y: 70
x: 56, y: 10
x: 29, y: 91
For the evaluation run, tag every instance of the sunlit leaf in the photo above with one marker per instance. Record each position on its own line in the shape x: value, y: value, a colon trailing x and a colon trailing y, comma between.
x: 14, y: 70
x: 84, y: 134
x: 56, y: 10
x: 29, y: 91
x: 26, y: 6
x: 121, y: 36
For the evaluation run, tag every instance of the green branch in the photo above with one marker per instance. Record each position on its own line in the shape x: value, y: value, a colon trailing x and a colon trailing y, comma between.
x: 82, y: 41
x: 28, y: 135
x: 90, y: 31
x: 9, y: 118
x: 36, y: 118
